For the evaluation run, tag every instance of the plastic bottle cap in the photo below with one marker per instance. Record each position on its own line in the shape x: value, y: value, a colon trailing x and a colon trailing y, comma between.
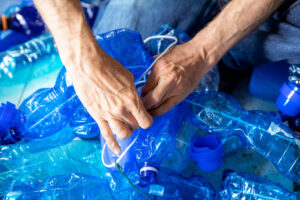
x: 148, y: 174
x: 207, y: 151
x: 288, y: 101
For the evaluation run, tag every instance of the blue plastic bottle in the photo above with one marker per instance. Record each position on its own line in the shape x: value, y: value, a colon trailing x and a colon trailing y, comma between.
x: 48, y: 110
x: 29, y: 60
x: 156, y: 143
x: 170, y: 185
x: 69, y: 186
x: 238, y: 186
x: 28, y: 21
x: 260, y: 131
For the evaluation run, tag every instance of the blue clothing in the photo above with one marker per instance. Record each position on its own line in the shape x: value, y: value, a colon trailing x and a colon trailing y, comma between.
x: 277, y: 39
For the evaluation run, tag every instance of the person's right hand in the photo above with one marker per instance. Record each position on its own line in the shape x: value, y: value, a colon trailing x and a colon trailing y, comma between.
x: 107, y: 91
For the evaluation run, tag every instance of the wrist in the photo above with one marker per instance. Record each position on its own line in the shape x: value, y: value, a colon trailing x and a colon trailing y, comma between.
x: 206, y: 49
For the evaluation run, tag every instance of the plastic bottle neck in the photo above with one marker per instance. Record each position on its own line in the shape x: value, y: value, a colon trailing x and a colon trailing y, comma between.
x: 148, y: 174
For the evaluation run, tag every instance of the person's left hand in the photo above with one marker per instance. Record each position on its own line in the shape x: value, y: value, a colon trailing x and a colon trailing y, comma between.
x: 173, y: 77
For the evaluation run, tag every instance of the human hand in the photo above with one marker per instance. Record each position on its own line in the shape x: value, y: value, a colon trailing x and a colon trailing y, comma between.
x: 107, y: 91
x: 173, y: 77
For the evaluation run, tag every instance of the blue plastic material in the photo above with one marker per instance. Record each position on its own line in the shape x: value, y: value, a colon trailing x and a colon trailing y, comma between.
x: 30, y: 60
x: 9, y: 39
x: 238, y: 186
x: 260, y: 131
x: 69, y: 186
x: 11, y: 124
x: 294, y: 123
x: 288, y: 101
x: 171, y: 185
x: 157, y: 46
x: 207, y: 151
x: 29, y: 22
x: 49, y: 110
x: 267, y: 79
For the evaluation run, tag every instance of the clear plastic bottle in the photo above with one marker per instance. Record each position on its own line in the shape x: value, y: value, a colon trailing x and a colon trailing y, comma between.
x: 260, y: 131
x: 237, y: 186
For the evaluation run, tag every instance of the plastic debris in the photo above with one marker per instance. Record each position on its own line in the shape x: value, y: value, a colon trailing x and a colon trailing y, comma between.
x: 246, y: 186
x: 260, y: 131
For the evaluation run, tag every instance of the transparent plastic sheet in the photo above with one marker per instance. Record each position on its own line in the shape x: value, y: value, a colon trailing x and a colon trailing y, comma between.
x: 246, y: 186
x: 260, y: 131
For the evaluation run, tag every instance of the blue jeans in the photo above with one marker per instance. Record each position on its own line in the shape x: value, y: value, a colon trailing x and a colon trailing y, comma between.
x: 277, y: 39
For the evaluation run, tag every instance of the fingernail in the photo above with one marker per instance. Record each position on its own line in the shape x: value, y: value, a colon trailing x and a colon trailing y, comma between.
x: 117, y: 150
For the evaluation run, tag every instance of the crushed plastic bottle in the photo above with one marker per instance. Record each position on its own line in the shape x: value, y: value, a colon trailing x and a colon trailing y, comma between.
x: 28, y: 21
x: 32, y: 161
x: 238, y: 186
x: 171, y: 185
x: 69, y: 186
x: 29, y: 60
x: 153, y: 144
x: 260, y: 131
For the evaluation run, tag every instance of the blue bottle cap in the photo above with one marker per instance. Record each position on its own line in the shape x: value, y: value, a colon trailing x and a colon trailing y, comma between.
x: 148, y: 174
x: 288, y: 101
x: 207, y: 151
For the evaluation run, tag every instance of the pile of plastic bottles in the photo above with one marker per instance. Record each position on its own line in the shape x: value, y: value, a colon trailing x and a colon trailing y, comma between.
x: 51, y: 148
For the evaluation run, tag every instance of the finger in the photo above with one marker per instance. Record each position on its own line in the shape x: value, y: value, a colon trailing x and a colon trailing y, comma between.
x: 109, y: 137
x: 156, y: 96
x: 120, y: 129
x: 150, y: 83
x: 141, y: 115
x: 164, y: 107
x: 130, y: 121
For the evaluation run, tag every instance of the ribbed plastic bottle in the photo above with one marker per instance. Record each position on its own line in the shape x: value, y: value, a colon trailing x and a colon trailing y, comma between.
x: 30, y: 60
x: 260, y: 131
x: 238, y: 186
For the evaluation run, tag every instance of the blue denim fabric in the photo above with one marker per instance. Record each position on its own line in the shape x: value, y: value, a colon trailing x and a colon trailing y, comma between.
x: 146, y: 16
x: 277, y: 39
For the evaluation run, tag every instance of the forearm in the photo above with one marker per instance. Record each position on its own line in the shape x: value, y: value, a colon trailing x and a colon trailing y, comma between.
x: 238, y: 19
x: 73, y: 36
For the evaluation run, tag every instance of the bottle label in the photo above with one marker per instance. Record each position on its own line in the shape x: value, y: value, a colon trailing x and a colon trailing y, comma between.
x: 157, y: 190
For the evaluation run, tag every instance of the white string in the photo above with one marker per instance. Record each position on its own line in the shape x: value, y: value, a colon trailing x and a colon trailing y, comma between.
x: 160, y: 55
x: 139, y: 81
x: 120, y: 157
